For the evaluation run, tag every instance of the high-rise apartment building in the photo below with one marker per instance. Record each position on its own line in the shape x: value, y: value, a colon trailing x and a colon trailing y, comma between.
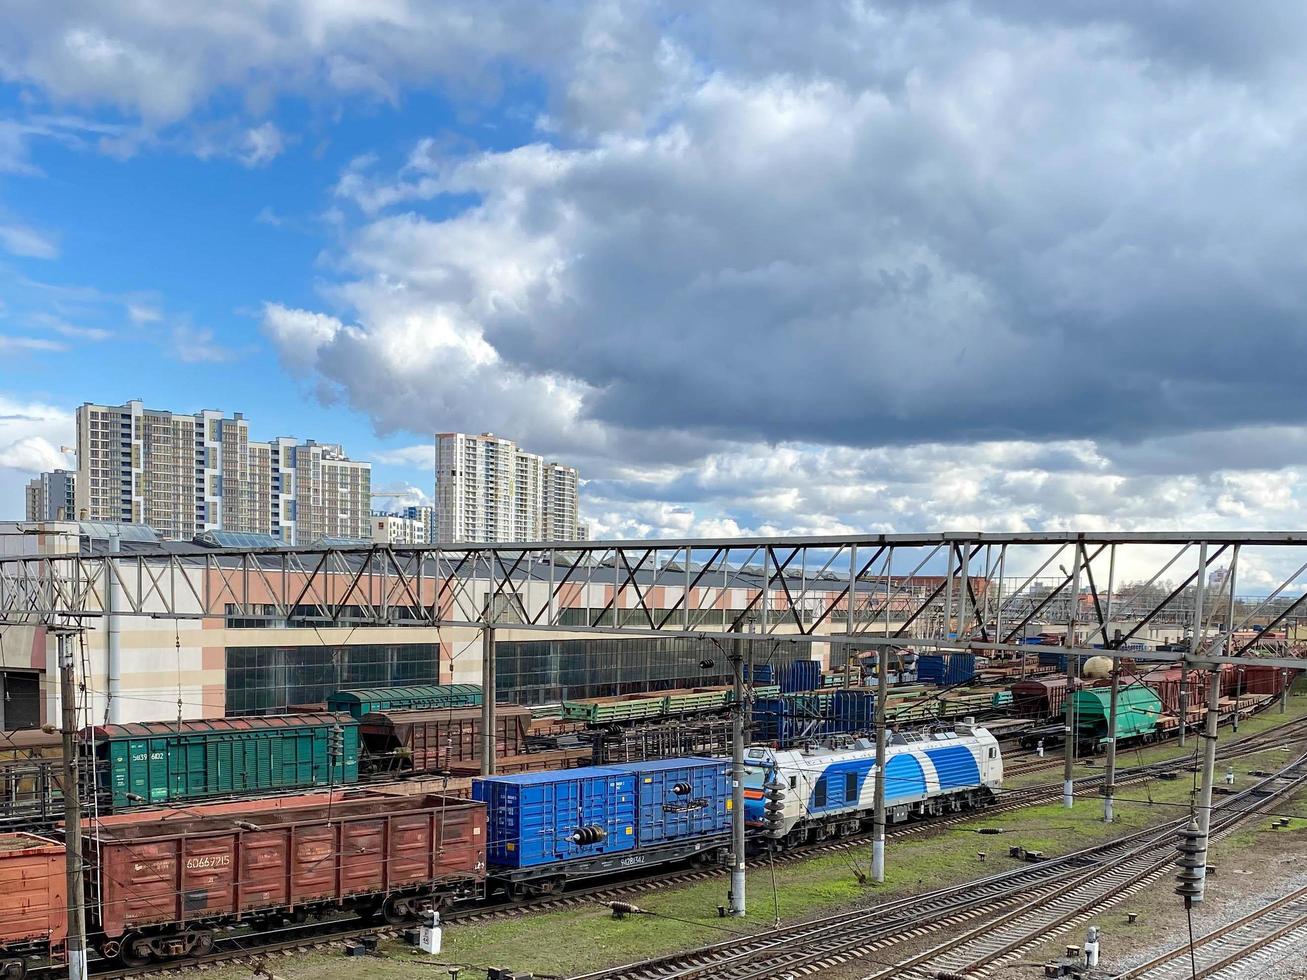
x: 184, y: 474
x: 487, y: 489
x: 424, y: 515
x: 52, y: 497
x: 559, y: 504
x: 397, y: 529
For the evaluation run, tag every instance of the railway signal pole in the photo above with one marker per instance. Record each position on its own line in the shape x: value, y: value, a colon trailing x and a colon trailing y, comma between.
x: 736, y: 897
x: 76, y: 942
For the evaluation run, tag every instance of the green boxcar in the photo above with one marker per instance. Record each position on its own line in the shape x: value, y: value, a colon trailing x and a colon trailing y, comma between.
x: 360, y: 701
x: 1138, y: 710
x: 166, y: 762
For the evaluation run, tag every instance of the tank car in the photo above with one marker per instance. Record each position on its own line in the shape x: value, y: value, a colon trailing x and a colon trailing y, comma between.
x: 827, y: 791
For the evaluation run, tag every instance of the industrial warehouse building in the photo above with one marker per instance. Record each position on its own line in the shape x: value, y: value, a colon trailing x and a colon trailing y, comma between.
x: 238, y: 664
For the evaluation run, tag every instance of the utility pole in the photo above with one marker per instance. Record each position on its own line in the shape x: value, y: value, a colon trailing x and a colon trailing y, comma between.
x: 1109, y: 778
x: 1209, y: 749
x: 736, y: 897
x: 76, y: 943
x: 878, y: 804
x: 487, y: 697
x: 1184, y: 702
x: 1114, y: 644
x: 114, y: 711
x: 1069, y: 760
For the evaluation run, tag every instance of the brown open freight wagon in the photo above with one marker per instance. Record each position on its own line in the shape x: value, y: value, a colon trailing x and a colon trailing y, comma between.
x: 168, y: 881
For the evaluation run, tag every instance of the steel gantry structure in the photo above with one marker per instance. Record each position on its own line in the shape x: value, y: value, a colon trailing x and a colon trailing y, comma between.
x: 982, y: 590
x: 1083, y: 594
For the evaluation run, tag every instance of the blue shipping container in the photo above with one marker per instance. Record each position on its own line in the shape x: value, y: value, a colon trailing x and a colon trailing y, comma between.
x: 542, y: 817
x: 947, y: 669
x: 680, y: 798
x: 1050, y: 659
x: 764, y: 674
x: 855, y: 711
x: 802, y: 675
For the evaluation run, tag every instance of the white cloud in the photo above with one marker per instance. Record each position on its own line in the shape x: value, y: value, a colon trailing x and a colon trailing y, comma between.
x: 30, y: 344
x: 422, y: 456
x: 299, y: 334
x: 198, y: 345
x: 27, y: 242
x: 66, y: 329
x: 30, y: 434
x: 141, y: 313
x: 261, y: 145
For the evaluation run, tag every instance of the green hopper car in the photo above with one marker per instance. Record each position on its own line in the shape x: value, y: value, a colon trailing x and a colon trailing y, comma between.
x: 360, y: 701
x: 1138, y: 711
x: 152, y: 763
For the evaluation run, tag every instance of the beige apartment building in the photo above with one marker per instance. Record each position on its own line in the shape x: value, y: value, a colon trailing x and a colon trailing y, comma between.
x: 489, y: 489
x: 186, y: 474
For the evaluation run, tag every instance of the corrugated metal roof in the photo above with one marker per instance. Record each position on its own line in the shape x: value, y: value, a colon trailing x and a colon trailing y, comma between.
x: 218, y: 726
x: 360, y: 694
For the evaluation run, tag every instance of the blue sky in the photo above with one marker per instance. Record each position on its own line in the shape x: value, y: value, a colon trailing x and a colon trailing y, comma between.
x: 753, y: 267
x: 146, y: 273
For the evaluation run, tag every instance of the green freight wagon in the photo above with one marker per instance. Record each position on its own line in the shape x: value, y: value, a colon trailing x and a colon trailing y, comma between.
x: 160, y: 762
x: 694, y: 700
x: 1138, y: 711
x: 608, y: 711
x: 360, y: 701
x: 759, y: 691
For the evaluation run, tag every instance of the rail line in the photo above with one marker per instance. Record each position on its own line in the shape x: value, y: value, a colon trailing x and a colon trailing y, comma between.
x: 334, y: 931
x: 1248, y: 945
x: 1033, y: 901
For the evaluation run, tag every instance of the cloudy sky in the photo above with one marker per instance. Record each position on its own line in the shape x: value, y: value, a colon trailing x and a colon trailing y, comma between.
x: 756, y: 266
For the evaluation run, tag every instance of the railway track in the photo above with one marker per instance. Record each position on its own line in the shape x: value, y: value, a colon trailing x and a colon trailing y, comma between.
x: 1248, y: 946
x: 991, y: 921
x: 1268, y: 738
x: 315, y: 935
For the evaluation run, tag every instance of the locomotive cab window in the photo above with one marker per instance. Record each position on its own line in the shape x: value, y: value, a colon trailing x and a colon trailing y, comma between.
x: 794, y: 782
x: 850, y: 786
x: 993, y: 753
x: 819, y: 793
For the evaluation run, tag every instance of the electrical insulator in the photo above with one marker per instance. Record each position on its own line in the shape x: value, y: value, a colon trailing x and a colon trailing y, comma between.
x: 336, y: 742
x: 773, y: 807
x: 583, y: 836
x: 1192, y: 863
x: 681, y: 789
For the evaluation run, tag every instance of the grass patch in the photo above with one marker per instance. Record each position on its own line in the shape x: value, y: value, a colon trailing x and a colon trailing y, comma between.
x: 563, y: 943
x: 579, y: 940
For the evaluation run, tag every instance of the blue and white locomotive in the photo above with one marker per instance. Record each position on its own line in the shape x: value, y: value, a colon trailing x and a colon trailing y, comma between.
x: 827, y: 791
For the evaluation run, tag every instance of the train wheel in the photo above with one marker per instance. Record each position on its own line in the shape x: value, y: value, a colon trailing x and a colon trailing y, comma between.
x: 396, y: 910
x: 12, y: 969
x: 134, y: 950
x: 201, y: 943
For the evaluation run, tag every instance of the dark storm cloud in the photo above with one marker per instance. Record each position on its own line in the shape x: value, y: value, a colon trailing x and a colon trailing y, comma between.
x: 859, y: 224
